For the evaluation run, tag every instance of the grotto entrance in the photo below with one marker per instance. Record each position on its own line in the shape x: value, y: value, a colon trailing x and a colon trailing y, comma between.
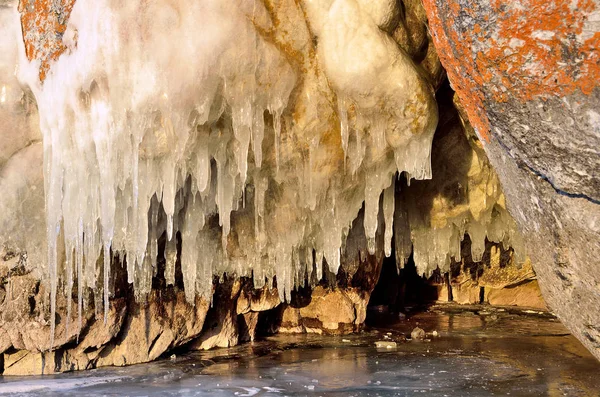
x: 400, y: 290
x: 495, y: 281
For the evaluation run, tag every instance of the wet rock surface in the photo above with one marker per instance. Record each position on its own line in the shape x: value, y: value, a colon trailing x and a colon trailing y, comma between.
x: 479, y: 352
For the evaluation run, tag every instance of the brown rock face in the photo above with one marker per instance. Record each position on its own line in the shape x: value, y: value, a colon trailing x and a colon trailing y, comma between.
x: 498, y: 280
x: 329, y: 312
x: 221, y: 328
x: 24, y: 321
x: 527, y: 74
x: 526, y: 294
x: 153, y: 328
x: 133, y: 332
x: 85, y: 355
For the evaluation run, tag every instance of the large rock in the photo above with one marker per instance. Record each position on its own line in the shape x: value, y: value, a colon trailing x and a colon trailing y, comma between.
x: 527, y: 74
x: 24, y: 317
x: 328, y: 312
x: 527, y: 294
x: 84, y: 355
x: 498, y: 280
x: 165, y: 321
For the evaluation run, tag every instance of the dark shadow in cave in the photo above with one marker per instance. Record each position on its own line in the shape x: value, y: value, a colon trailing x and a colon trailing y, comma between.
x: 402, y: 291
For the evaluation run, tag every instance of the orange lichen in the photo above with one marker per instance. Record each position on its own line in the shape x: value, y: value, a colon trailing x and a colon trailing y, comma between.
x: 454, y: 53
x: 539, y: 50
x: 43, y: 23
x: 530, y: 49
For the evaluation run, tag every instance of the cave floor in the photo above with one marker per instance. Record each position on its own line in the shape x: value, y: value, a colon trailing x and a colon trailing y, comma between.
x: 479, y: 351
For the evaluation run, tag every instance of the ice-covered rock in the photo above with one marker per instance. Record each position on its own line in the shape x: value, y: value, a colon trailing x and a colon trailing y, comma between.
x: 143, y: 137
x: 272, y: 141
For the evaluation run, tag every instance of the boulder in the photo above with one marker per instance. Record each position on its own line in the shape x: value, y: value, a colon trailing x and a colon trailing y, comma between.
x: 527, y: 75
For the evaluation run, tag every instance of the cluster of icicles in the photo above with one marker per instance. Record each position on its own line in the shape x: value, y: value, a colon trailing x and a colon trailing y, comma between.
x: 166, y: 118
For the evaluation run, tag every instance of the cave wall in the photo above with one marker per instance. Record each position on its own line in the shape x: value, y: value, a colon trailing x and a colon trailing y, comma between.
x: 430, y: 217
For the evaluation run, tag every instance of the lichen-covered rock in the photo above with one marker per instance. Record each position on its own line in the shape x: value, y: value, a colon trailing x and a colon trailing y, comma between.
x: 44, y: 24
x: 527, y: 74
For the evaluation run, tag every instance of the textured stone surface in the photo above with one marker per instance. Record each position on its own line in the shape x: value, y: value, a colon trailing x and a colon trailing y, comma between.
x: 527, y: 75
x: 329, y: 312
x: 133, y: 333
x: 153, y: 328
x: 498, y: 271
x: 24, y: 317
x: 526, y: 294
x: 221, y: 328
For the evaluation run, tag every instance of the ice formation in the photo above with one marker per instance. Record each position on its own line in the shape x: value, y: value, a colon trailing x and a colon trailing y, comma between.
x: 206, y: 120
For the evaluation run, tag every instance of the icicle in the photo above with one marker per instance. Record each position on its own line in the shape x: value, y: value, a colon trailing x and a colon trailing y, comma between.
x: 224, y: 200
x: 242, y: 132
x: 378, y: 133
x: 319, y: 264
x: 168, y: 200
x: 343, y: 115
x: 106, y: 278
x: 258, y: 133
x: 359, y: 153
x: 69, y: 287
x: 194, y: 222
x: 478, y: 234
x: 79, y: 260
x: 260, y: 187
x: 371, y: 210
x: 170, y: 260
x: 203, y: 170
x: 388, y: 213
x: 277, y: 129
x: 54, y: 184
x: 53, y: 286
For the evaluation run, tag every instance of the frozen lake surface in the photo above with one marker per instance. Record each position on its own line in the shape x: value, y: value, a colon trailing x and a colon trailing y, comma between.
x: 477, y: 353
